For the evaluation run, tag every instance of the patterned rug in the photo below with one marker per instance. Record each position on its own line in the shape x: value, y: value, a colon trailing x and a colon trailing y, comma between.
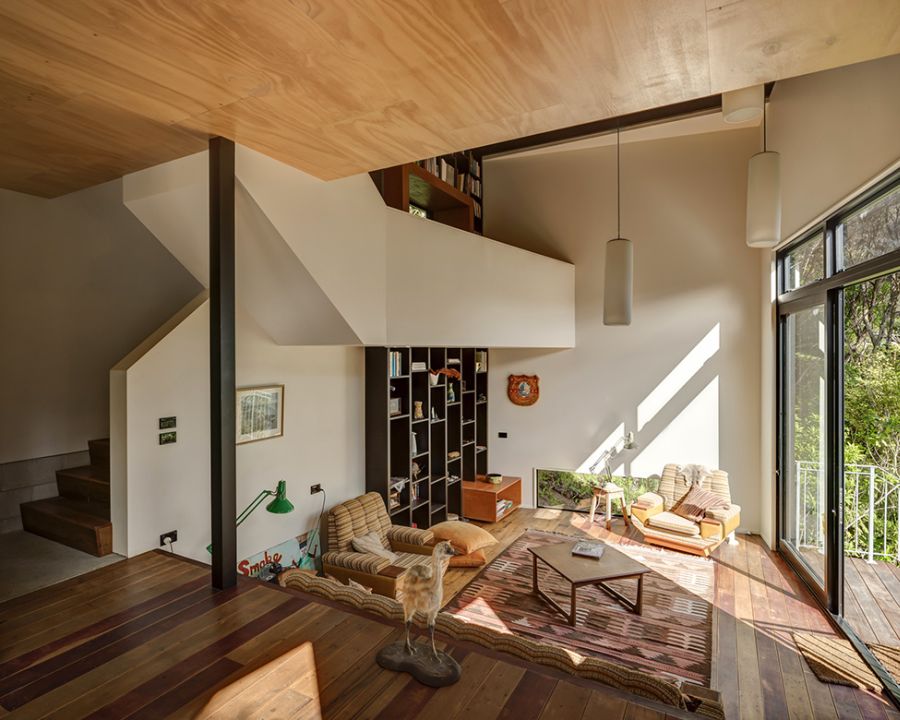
x: 673, y: 636
x: 835, y: 660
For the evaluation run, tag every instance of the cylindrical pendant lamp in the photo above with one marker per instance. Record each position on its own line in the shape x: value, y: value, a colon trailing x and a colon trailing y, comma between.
x: 764, y: 200
x: 742, y: 105
x: 617, y: 288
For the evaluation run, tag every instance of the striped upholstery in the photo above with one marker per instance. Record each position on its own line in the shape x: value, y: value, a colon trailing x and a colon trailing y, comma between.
x: 674, y: 486
x: 698, y: 500
x: 723, y: 515
x: 659, y: 689
x: 363, y: 562
x: 355, y: 518
x: 408, y: 560
x: 674, y: 523
x: 409, y: 536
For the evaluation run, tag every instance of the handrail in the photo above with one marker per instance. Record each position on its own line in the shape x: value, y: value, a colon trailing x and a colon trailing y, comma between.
x: 871, y: 527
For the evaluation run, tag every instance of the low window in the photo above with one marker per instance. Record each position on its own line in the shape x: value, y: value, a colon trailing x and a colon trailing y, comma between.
x: 567, y: 490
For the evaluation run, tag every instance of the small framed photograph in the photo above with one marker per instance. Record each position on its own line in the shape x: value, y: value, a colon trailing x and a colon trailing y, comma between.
x: 259, y: 413
x: 394, y: 407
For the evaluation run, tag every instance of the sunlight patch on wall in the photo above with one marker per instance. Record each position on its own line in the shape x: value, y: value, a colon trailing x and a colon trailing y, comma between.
x: 691, y: 437
x: 680, y: 375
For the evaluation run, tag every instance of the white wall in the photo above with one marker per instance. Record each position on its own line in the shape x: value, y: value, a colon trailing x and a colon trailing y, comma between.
x: 685, y: 376
x: 323, y: 442
x: 81, y: 283
x: 835, y: 130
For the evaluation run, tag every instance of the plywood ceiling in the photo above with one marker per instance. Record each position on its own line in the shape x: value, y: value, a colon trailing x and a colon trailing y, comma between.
x: 93, y: 89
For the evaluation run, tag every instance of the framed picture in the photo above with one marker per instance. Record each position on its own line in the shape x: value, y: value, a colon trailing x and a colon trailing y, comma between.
x: 259, y: 413
x: 394, y: 406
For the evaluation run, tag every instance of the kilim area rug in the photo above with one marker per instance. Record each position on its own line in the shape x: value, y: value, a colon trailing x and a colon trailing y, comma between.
x: 673, y: 636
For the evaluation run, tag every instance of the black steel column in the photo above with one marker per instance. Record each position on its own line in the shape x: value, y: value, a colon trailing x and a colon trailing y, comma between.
x: 221, y: 362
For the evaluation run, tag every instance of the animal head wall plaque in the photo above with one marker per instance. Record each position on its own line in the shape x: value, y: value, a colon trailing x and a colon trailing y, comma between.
x: 523, y: 389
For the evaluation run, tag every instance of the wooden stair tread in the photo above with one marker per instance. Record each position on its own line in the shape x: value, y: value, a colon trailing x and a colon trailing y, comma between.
x: 85, y: 472
x: 70, y: 511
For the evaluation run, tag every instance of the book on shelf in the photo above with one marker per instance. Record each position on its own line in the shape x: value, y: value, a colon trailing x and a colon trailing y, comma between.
x: 503, y: 506
x: 395, y: 359
x: 481, y: 361
x: 588, y: 549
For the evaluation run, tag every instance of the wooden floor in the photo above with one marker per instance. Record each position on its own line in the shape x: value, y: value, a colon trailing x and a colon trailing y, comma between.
x: 147, y: 638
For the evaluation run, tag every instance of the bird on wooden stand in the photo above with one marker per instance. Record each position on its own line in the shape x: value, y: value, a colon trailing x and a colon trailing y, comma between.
x: 421, y: 588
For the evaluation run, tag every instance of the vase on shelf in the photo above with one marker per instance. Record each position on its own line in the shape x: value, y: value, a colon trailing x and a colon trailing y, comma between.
x: 418, y: 413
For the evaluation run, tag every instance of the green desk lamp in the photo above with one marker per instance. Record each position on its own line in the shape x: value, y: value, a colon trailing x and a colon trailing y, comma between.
x: 279, y: 505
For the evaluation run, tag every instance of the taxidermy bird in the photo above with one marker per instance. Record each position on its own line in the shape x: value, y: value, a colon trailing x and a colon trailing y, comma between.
x: 422, y: 588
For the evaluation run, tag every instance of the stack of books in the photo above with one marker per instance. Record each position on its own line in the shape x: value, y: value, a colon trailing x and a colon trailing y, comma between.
x: 419, y: 366
x: 503, y: 506
x: 395, y: 359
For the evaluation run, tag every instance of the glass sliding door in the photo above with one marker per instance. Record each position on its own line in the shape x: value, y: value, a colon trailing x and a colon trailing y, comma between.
x: 804, y: 397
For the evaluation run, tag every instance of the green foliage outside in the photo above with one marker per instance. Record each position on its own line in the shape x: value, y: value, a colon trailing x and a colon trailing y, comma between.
x: 563, y: 490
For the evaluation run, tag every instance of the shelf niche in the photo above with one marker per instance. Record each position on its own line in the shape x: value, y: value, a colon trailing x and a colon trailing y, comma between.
x: 395, y: 373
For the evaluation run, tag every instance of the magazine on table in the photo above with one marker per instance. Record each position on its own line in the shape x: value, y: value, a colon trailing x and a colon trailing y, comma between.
x: 588, y: 549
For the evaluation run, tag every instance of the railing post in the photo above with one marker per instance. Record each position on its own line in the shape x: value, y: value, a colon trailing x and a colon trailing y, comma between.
x: 799, y: 539
x: 871, y: 513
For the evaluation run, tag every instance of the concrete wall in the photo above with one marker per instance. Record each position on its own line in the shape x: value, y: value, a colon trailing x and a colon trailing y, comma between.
x: 81, y: 282
x: 168, y: 486
x: 685, y: 376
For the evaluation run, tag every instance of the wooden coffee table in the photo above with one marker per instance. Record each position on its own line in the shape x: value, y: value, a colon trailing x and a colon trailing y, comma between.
x: 579, y: 571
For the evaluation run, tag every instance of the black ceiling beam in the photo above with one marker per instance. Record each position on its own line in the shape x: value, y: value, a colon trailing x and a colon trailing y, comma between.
x: 599, y: 127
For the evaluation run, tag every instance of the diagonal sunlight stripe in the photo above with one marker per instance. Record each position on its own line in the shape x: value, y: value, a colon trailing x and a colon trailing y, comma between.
x: 678, y: 377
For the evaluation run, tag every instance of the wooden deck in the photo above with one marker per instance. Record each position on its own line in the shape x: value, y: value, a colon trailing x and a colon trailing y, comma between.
x: 147, y: 638
x: 872, y: 600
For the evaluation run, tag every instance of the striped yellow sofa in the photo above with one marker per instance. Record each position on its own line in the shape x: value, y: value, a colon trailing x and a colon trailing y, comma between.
x: 360, y: 516
x: 652, y: 514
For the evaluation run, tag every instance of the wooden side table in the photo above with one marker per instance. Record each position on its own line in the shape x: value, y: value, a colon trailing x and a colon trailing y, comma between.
x: 479, y: 498
x: 607, y: 497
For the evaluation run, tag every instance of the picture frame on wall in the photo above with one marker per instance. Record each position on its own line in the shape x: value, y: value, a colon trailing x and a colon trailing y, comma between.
x: 259, y: 413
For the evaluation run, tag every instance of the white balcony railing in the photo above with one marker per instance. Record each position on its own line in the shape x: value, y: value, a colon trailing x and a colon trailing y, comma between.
x: 871, y: 510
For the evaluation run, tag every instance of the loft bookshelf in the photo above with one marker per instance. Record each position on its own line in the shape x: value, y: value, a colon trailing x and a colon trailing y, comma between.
x: 446, y: 188
x: 448, y: 444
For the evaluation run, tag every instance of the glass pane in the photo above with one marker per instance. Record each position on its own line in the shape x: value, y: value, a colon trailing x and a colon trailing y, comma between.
x: 871, y: 453
x: 804, y: 502
x: 805, y: 263
x: 870, y: 232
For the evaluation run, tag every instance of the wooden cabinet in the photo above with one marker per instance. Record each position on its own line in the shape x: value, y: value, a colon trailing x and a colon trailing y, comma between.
x: 488, y: 502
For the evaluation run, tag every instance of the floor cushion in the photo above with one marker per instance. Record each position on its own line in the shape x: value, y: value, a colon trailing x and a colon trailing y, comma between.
x: 465, y: 537
x: 473, y: 559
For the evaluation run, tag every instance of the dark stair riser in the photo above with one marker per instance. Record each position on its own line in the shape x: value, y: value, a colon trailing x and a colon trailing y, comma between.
x: 99, y: 452
x: 83, y: 532
x: 93, y: 490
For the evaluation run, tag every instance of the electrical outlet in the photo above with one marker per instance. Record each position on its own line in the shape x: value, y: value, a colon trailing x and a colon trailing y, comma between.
x: 171, y: 535
x: 313, y: 489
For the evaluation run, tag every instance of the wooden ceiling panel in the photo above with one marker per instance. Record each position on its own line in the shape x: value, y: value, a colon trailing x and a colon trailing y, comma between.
x: 92, y: 89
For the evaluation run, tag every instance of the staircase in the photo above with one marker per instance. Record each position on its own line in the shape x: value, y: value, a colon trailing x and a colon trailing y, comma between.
x: 79, y: 517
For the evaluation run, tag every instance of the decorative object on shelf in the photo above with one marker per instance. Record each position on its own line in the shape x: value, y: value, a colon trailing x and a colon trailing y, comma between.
x: 463, y: 383
x: 449, y: 372
x: 482, y: 397
x: 416, y: 470
x: 434, y: 415
x: 618, y: 279
x: 480, y: 361
x: 451, y: 393
x: 625, y: 442
x: 259, y: 413
x: 419, y: 366
x: 421, y: 589
x: 523, y: 389
x: 433, y: 377
x: 279, y: 505
x: 413, y: 445
x: 764, y: 196
x: 453, y: 454
x: 495, y: 478
x: 418, y: 411
x: 394, y: 406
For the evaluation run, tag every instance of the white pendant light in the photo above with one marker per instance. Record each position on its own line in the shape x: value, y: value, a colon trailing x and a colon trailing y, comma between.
x: 617, y: 287
x: 743, y: 105
x: 764, y: 197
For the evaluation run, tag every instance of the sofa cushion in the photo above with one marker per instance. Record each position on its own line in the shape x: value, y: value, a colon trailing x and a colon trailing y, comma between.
x: 694, y: 505
x: 674, y: 523
x: 464, y: 537
x: 473, y: 559
x: 371, y: 543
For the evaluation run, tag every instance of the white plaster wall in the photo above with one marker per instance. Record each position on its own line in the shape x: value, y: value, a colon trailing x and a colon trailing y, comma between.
x: 685, y: 376
x: 449, y: 287
x: 836, y: 130
x: 168, y: 486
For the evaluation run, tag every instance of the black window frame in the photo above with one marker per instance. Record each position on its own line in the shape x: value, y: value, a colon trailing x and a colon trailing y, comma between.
x: 828, y: 292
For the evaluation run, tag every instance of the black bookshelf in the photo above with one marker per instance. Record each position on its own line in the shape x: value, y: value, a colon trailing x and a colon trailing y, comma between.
x: 447, y: 444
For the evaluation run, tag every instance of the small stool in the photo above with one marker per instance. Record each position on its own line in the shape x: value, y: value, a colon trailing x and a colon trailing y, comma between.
x: 607, y: 497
